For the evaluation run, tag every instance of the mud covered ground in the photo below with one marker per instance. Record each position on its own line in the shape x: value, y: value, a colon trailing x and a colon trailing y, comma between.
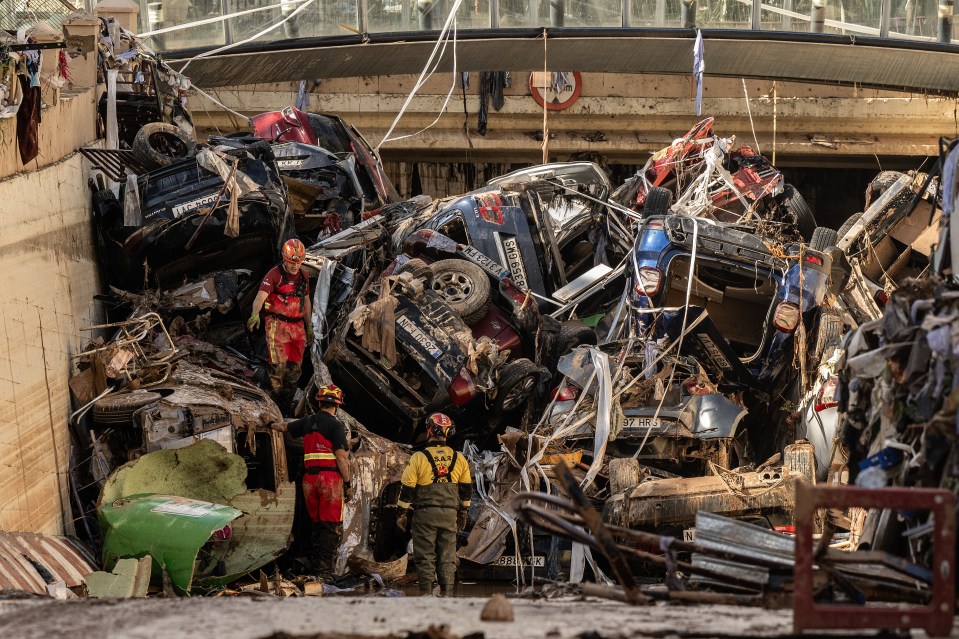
x: 361, y: 617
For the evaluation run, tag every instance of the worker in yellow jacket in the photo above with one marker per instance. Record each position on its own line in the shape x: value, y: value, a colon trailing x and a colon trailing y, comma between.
x: 437, y: 485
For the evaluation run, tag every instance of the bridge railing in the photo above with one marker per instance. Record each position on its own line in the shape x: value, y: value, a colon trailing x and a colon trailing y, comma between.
x: 197, y: 23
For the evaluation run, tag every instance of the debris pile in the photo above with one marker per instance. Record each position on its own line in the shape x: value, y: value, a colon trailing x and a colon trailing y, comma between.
x: 645, y: 378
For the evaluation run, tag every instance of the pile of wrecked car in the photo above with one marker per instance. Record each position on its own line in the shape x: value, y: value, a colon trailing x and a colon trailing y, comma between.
x: 642, y: 377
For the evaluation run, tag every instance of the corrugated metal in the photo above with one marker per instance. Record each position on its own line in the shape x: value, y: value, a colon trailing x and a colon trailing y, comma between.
x: 859, y: 61
x: 64, y: 559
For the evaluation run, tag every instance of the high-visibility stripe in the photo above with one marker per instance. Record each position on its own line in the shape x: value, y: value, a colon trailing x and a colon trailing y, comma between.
x: 316, y: 456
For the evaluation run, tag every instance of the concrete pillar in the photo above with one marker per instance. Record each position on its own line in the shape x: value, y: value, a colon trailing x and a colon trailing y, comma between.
x: 557, y: 13
x: 945, y: 21
x: 125, y: 12
x: 81, y: 40
x: 817, y: 17
x: 688, y: 15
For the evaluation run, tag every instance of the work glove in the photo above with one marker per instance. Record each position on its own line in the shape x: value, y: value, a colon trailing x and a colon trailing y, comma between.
x: 403, y: 520
x: 253, y: 323
x: 347, y: 491
x: 462, y: 516
x: 309, y: 333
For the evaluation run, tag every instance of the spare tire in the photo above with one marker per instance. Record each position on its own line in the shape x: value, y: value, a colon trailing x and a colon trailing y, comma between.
x: 658, y: 201
x: 572, y: 333
x: 160, y: 144
x: 823, y: 238
x: 464, y: 286
x: 119, y: 408
x: 516, y: 386
x: 418, y: 269
x: 797, y: 206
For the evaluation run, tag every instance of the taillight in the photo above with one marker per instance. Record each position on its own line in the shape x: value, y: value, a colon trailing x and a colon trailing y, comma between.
x: 786, y: 317
x: 648, y: 280
x: 827, y: 396
x: 462, y: 390
x: 814, y: 259
x: 223, y: 533
x: 565, y: 393
x: 654, y: 224
x: 881, y: 298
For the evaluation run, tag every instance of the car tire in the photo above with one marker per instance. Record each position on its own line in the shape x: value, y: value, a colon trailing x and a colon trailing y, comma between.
x: 464, y: 286
x: 160, y: 144
x: 828, y: 335
x: 880, y: 184
x: 797, y: 206
x: 658, y: 201
x: 823, y: 238
x: 848, y: 224
x: 516, y: 386
x: 119, y: 409
x: 418, y: 269
x: 572, y: 334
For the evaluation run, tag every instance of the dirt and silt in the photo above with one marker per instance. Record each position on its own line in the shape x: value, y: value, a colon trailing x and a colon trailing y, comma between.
x: 354, y: 617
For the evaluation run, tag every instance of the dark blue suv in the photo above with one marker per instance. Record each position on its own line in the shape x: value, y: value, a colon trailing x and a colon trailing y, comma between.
x: 749, y: 296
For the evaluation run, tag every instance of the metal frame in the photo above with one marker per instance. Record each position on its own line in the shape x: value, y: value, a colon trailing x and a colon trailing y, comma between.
x: 936, y: 618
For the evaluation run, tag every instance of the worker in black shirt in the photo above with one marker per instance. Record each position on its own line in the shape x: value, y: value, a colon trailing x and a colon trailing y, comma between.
x: 326, y: 482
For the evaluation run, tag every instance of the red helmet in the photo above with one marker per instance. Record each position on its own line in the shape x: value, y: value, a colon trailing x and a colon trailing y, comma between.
x: 440, y: 426
x: 293, y: 251
x: 330, y: 394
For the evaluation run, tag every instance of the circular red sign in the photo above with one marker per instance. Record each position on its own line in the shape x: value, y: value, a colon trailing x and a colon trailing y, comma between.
x: 556, y: 100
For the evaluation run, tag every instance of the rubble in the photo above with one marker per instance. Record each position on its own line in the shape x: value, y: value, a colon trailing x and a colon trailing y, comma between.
x: 645, y: 377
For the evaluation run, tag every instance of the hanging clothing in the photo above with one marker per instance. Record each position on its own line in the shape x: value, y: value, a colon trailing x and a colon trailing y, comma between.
x: 491, y: 86
x: 28, y: 121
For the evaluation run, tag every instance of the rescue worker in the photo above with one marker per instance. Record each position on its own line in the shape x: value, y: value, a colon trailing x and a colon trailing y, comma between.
x: 326, y: 478
x: 284, y: 297
x: 437, y: 485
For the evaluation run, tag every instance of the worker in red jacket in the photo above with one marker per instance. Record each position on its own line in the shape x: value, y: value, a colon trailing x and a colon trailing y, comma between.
x: 284, y: 298
x: 326, y: 479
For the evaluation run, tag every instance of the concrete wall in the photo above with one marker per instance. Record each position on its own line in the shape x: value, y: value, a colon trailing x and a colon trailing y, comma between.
x: 48, y: 277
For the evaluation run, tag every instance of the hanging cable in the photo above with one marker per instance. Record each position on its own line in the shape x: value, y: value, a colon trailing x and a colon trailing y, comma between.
x: 428, y: 69
x: 750, y: 112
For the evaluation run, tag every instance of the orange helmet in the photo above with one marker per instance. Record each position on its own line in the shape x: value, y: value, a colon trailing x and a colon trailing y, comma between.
x: 293, y: 251
x: 440, y: 426
x: 329, y: 394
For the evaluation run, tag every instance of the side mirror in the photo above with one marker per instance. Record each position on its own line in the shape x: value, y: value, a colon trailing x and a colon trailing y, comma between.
x: 840, y: 271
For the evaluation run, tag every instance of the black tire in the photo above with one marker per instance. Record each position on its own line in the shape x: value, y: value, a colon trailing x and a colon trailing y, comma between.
x: 119, y: 409
x: 848, y: 224
x: 160, y: 144
x: 880, y: 184
x: 796, y: 206
x: 658, y: 201
x: 418, y: 268
x: 464, y: 286
x: 572, y: 334
x: 516, y: 386
x: 261, y: 150
x: 828, y: 335
x: 823, y: 238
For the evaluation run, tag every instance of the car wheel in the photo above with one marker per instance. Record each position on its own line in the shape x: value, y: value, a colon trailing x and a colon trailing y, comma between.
x: 572, y: 334
x: 658, y: 201
x: 119, y: 409
x: 797, y: 206
x: 880, y: 184
x: 847, y: 225
x: 823, y: 238
x: 464, y: 286
x: 516, y: 386
x: 160, y: 144
x: 418, y: 269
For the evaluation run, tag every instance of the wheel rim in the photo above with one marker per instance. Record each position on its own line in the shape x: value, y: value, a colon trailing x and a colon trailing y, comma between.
x: 453, y: 287
x: 168, y: 144
x: 517, y: 395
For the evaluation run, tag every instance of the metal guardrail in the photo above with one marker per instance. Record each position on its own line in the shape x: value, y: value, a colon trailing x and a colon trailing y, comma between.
x: 205, y: 23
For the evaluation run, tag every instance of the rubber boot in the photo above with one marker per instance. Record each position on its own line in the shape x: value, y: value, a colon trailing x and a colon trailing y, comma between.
x: 426, y: 587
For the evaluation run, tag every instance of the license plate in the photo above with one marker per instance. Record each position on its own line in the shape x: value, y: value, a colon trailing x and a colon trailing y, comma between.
x: 642, y: 423
x: 485, y: 263
x: 539, y: 561
x: 514, y: 261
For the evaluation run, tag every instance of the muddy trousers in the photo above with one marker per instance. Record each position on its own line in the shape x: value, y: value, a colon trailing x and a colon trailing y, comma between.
x: 283, y: 379
x: 434, y: 547
x: 324, y: 542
